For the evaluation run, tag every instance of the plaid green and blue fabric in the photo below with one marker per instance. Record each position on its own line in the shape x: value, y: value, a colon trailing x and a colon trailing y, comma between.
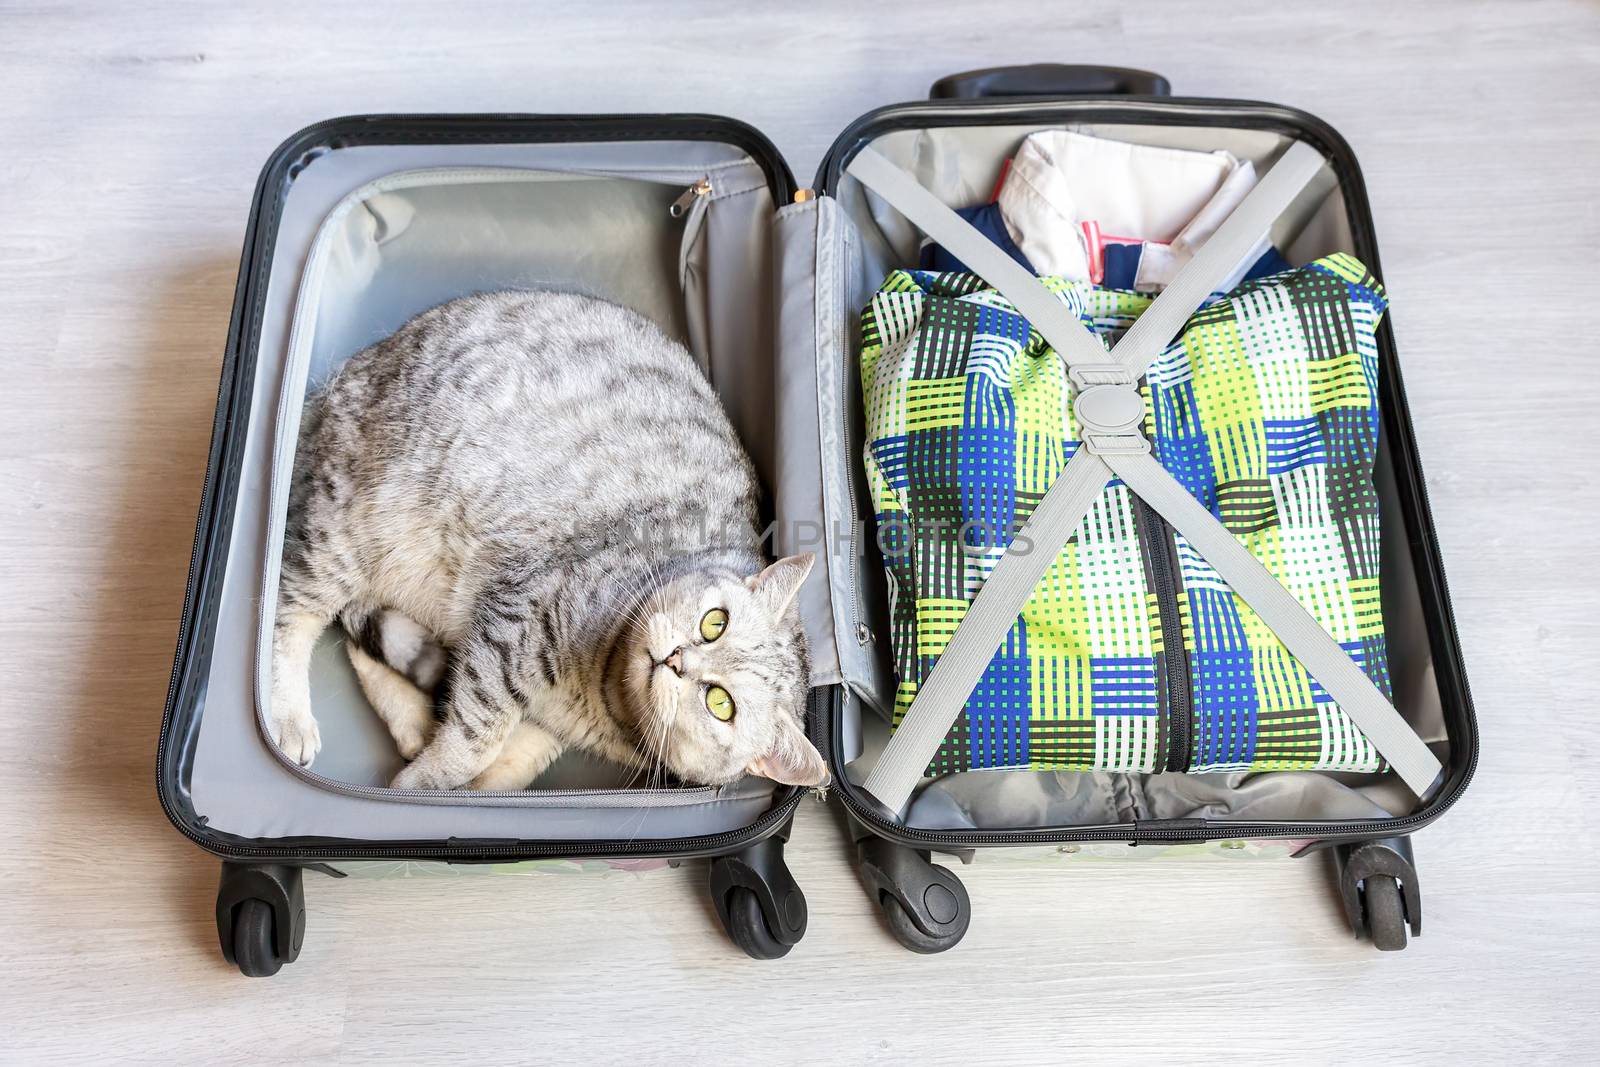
x: 1265, y: 408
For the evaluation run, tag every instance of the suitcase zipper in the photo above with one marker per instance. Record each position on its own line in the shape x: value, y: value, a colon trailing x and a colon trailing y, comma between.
x: 679, y: 796
x: 691, y: 203
x: 1175, y: 658
x: 859, y: 629
x: 1446, y: 648
x: 1134, y: 833
x: 479, y: 849
x: 220, y: 483
x: 698, y: 191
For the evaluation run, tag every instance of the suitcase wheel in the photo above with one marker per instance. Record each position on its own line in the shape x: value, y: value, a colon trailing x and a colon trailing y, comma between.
x: 758, y: 901
x: 1378, y: 884
x: 261, y: 917
x: 925, y: 905
x: 1385, y: 913
x: 747, y: 925
x: 254, y: 941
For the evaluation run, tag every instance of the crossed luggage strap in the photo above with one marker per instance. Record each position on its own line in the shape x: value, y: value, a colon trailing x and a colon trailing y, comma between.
x: 1110, y: 411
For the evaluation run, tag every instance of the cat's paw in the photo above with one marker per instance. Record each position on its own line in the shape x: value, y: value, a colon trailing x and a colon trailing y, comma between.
x: 503, y: 778
x: 417, y: 776
x: 406, y: 710
x: 410, y: 738
x: 297, y: 737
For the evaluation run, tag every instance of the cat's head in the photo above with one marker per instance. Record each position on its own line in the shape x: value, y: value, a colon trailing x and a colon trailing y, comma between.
x: 714, y: 675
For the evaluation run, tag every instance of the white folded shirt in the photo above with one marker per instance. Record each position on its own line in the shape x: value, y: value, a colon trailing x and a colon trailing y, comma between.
x: 1170, y: 198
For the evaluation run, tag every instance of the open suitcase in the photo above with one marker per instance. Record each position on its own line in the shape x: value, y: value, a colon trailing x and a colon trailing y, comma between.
x: 360, y: 223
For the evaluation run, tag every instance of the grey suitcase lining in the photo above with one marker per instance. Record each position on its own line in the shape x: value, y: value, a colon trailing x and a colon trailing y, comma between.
x: 369, y: 236
x: 712, y: 287
x: 839, y: 248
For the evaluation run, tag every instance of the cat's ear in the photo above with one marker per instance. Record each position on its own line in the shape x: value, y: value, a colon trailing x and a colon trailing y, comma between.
x: 792, y: 760
x: 782, y: 580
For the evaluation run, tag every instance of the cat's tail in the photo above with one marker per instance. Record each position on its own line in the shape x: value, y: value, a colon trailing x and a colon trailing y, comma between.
x: 403, y: 644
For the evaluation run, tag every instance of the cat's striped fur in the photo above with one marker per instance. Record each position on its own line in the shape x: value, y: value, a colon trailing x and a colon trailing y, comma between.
x: 530, y: 501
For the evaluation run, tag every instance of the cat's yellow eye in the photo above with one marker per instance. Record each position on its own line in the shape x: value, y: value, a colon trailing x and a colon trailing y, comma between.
x: 712, y: 623
x: 719, y: 703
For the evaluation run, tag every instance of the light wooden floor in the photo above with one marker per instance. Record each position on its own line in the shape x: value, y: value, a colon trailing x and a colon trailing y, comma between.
x: 130, y: 136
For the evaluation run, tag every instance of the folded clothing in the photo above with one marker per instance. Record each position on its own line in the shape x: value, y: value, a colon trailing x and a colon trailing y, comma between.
x: 1062, y: 187
x: 985, y: 218
x: 1121, y: 262
x: 1132, y: 654
x: 1127, y: 216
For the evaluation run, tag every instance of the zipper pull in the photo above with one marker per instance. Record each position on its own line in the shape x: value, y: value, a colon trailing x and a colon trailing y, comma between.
x: 820, y: 792
x: 680, y: 206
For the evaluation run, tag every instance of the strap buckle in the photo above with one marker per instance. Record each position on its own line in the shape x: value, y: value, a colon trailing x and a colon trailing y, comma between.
x: 1122, y: 444
x: 1109, y: 409
x: 1088, y: 375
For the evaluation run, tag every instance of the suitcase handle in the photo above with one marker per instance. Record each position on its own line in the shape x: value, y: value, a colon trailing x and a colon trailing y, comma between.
x: 1050, y: 79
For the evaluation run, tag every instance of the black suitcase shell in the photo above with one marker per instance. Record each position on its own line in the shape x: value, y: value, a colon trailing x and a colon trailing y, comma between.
x: 260, y: 909
x: 925, y: 905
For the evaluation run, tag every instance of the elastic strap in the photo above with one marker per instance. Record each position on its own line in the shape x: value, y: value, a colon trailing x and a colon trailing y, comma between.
x: 1291, y: 623
x: 1217, y: 259
x: 943, y: 694
x: 1042, y: 308
x: 994, y: 610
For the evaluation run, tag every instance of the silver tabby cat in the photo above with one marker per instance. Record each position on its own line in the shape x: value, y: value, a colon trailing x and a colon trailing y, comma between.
x: 534, y: 504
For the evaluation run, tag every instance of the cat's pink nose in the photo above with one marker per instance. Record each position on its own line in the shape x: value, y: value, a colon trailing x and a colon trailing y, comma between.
x: 675, y: 661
